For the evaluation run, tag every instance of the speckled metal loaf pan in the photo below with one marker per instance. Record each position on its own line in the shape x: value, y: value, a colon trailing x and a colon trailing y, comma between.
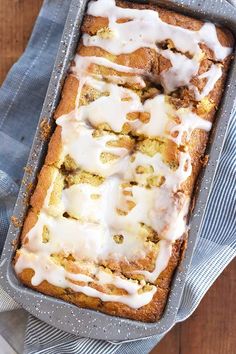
x: 89, y: 323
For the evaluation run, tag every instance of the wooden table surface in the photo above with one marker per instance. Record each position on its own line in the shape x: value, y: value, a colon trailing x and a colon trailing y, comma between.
x: 212, y: 328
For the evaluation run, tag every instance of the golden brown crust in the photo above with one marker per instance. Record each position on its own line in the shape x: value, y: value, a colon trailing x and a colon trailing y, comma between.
x: 152, y: 63
x: 149, y: 313
x: 44, y: 181
x: 68, y: 96
x: 92, y: 24
x: 55, y: 147
x: 29, y: 222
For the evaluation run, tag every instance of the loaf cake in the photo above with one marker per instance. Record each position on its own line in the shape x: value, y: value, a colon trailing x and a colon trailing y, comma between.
x: 108, y: 220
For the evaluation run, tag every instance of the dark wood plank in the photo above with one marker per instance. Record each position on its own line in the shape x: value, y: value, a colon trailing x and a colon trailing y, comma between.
x: 17, y: 18
x: 211, y: 329
x: 170, y: 344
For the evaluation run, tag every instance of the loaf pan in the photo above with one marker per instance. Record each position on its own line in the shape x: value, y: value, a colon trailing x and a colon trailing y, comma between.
x: 90, y: 323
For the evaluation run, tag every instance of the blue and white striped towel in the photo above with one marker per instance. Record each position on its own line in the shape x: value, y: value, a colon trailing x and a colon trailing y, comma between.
x: 21, y: 98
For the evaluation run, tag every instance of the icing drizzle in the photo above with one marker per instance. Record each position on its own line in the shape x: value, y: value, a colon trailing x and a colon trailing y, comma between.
x: 123, y: 204
x: 145, y: 29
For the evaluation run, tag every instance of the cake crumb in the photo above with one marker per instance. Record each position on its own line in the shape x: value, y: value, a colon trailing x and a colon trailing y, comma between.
x: 205, y: 160
x: 28, y: 169
x: 105, y: 33
x: 44, y: 129
x: 118, y: 239
x: 15, y: 221
x: 14, y: 243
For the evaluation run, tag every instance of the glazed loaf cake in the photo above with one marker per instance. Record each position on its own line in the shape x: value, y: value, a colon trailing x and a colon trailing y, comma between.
x: 107, y: 222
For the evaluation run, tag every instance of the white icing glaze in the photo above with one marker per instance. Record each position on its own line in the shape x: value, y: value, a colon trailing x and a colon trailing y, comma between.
x: 86, y: 150
x: 157, y: 208
x: 146, y: 29
x: 95, y: 216
x: 189, y: 122
x: 79, y: 203
x: 46, y: 269
x: 208, y: 35
x: 101, y: 110
x: 160, y: 114
x: 94, y: 228
x: 162, y: 259
x: 181, y: 72
x: 212, y: 76
x: 162, y: 122
x: 173, y: 178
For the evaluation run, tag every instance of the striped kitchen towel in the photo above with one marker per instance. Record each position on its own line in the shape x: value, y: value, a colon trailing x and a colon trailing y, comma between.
x: 21, y: 99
